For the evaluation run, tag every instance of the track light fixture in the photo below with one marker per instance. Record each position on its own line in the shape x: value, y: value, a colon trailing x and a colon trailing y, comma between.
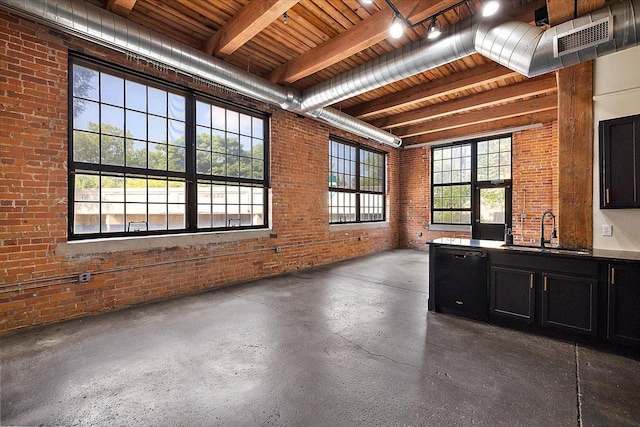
x: 434, y: 30
x: 490, y: 8
x: 400, y: 22
x: 397, y: 28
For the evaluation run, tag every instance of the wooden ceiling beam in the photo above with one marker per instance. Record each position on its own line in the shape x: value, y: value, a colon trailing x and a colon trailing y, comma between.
x: 120, y: 7
x: 439, y: 88
x: 479, y: 129
x: 543, y: 103
x: 252, y: 19
x: 367, y: 33
x: 526, y: 89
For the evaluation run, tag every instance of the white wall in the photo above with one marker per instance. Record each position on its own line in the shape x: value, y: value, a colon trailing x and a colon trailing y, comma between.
x: 616, y: 94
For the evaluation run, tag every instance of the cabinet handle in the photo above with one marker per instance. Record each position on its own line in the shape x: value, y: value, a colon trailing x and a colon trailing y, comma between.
x: 545, y: 284
x: 531, y: 281
x: 613, y: 275
x: 607, y: 195
x: 459, y: 302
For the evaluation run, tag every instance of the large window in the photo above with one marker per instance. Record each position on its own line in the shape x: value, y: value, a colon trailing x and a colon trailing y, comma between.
x: 459, y: 169
x: 356, y: 183
x: 150, y: 158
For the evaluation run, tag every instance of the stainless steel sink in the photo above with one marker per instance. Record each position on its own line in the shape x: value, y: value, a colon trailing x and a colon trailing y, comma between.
x: 549, y: 250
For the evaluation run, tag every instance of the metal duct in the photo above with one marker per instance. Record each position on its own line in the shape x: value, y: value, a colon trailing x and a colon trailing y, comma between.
x: 531, y: 51
x: 100, y: 26
x: 422, y: 55
x: 518, y: 46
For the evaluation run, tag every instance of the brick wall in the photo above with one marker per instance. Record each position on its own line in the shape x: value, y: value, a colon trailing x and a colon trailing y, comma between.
x: 535, y: 188
x: 38, y: 268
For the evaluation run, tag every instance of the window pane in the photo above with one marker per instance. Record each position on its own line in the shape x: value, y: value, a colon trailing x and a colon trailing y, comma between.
x: 86, y: 147
x: 85, y: 83
x: 492, y: 205
x: 136, y: 96
x: 157, y: 129
x: 112, y: 150
x: 112, y: 90
x: 176, y: 107
x: 136, y: 125
x: 86, y: 115
x: 157, y: 101
x: 136, y: 155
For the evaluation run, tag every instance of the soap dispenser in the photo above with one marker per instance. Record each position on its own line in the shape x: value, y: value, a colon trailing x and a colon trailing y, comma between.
x: 508, y: 236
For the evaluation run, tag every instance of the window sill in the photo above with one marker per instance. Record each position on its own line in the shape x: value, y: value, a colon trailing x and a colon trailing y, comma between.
x: 447, y: 227
x: 119, y: 244
x: 358, y: 226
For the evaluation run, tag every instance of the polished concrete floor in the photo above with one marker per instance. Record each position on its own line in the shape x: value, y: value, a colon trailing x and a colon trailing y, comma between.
x: 343, y: 345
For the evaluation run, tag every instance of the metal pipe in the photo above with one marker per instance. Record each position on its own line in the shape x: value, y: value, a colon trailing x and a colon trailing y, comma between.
x: 90, y: 22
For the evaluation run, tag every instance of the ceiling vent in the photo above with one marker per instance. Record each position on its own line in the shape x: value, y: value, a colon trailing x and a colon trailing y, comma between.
x: 589, y: 35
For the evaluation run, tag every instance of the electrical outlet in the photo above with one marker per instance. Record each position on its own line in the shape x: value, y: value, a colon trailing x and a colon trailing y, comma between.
x: 278, y: 249
x: 84, y: 277
x: 606, y: 230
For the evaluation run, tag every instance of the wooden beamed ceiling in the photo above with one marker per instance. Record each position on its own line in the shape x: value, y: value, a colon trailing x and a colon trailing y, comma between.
x: 300, y: 43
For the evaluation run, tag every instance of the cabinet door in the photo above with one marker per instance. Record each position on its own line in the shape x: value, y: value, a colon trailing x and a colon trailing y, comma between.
x: 512, y: 293
x: 570, y: 302
x: 620, y: 162
x: 624, y: 303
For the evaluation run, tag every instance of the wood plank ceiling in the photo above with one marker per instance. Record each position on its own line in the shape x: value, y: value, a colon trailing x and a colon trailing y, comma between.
x: 303, y: 43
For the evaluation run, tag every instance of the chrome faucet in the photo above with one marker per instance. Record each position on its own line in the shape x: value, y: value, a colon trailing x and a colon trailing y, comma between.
x: 554, y: 233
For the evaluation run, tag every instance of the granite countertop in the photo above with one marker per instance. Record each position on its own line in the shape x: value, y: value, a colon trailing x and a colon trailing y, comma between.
x: 499, y: 245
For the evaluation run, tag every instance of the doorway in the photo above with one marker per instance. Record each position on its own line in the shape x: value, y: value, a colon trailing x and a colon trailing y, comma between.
x: 492, y: 211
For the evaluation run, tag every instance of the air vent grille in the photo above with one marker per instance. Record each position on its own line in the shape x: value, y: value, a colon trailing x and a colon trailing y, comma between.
x: 583, y: 37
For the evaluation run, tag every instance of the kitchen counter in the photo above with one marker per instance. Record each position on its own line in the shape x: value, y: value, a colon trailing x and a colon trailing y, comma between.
x: 585, y: 296
x: 601, y: 254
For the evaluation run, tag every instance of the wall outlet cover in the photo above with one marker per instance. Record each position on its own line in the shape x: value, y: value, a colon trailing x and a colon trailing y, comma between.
x: 606, y: 230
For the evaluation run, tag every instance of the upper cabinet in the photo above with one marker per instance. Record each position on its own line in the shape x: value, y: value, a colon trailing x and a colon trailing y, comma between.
x: 620, y: 162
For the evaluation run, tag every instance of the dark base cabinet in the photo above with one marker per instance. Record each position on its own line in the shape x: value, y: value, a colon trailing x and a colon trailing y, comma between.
x: 591, y: 299
x: 512, y: 294
x: 570, y: 302
x: 624, y: 303
x: 558, y: 293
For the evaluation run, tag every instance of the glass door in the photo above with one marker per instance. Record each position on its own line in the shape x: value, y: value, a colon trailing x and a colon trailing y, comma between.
x: 492, y: 213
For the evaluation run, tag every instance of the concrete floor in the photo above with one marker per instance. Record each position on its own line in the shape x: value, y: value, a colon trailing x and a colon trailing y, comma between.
x: 346, y: 344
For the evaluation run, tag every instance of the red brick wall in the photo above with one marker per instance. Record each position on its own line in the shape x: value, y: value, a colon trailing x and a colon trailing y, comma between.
x: 38, y: 282
x: 535, y: 172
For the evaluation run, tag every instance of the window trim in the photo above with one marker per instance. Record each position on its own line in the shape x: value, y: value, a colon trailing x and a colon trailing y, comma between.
x: 357, y: 191
x: 189, y: 177
x: 474, y: 179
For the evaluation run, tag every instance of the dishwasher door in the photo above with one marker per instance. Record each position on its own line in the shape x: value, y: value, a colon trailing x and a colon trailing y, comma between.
x: 461, y: 283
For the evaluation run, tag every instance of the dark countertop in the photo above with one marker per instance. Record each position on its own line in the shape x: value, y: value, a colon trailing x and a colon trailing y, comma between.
x: 499, y: 245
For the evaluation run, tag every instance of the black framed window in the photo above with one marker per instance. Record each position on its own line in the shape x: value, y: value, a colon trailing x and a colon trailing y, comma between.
x: 356, y: 183
x: 147, y: 157
x: 459, y: 168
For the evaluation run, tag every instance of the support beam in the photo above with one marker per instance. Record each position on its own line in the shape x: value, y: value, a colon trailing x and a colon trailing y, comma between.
x: 367, y: 33
x: 253, y: 18
x: 446, y: 86
x: 575, y: 137
x: 536, y: 86
x: 521, y: 108
x: 120, y: 7
x: 491, y: 127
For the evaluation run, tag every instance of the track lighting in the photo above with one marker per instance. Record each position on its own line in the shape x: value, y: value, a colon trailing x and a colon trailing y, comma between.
x: 490, y: 8
x: 434, y: 30
x: 397, y: 29
x: 367, y: 2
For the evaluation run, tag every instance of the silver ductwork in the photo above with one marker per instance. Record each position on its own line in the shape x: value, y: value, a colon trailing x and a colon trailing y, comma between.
x: 532, y: 51
x: 102, y: 27
x: 422, y: 55
x: 518, y: 46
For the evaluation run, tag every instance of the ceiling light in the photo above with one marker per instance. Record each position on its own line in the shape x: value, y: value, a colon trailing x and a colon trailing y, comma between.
x: 434, y: 30
x: 397, y: 29
x: 490, y: 8
x: 366, y: 1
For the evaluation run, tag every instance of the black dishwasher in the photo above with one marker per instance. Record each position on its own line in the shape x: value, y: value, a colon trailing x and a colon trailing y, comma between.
x: 460, y: 282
